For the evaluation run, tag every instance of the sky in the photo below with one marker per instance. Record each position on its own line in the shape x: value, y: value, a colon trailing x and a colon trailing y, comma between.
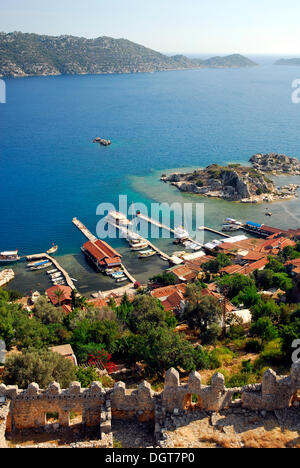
x: 170, y: 26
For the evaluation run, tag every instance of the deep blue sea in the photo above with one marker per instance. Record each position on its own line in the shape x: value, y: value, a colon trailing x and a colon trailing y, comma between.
x: 51, y: 171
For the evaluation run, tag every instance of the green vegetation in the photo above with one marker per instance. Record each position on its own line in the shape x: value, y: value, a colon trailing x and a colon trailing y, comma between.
x: 31, y: 54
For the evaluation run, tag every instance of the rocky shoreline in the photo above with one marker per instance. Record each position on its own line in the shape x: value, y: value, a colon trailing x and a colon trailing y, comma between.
x: 244, y: 184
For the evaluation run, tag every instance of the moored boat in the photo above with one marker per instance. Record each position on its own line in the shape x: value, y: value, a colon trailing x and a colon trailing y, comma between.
x: 121, y: 280
x: 41, y: 267
x: 147, y: 253
x: 139, y: 246
x: 52, y: 250
x: 230, y: 227
x: 9, y: 256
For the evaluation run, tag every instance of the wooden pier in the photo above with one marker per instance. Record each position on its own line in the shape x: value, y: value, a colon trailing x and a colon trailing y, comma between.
x: 214, y: 231
x: 166, y: 228
x: 160, y: 252
x: 57, y: 266
x: 84, y: 230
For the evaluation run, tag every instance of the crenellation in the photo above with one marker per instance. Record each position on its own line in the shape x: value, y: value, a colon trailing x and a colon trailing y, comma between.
x: 98, y: 406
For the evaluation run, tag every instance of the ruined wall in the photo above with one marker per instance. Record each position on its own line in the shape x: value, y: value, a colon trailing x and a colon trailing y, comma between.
x: 4, y: 411
x: 98, y: 406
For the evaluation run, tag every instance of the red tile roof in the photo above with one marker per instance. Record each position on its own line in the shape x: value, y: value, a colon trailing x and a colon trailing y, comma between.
x: 66, y: 294
x: 103, y: 253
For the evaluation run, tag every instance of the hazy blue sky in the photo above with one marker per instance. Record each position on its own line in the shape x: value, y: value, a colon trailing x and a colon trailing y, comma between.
x: 188, y: 26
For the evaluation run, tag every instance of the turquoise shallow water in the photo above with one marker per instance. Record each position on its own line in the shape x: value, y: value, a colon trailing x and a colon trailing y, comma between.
x: 51, y: 172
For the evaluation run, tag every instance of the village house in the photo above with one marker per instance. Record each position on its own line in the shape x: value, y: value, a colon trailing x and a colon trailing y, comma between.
x: 61, y: 296
x: 66, y: 351
x: 171, y: 297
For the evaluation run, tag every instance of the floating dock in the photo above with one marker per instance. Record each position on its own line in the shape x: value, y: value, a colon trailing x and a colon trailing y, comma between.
x: 84, y: 230
x: 57, y: 266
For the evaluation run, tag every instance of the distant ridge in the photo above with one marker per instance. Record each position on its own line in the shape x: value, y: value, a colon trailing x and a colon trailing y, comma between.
x: 291, y: 61
x: 25, y: 54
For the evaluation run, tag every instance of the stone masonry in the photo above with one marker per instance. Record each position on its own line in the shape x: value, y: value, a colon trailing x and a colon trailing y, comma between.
x: 26, y: 409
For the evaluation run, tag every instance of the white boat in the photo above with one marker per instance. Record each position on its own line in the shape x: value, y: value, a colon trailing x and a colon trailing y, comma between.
x: 56, y: 275
x: 51, y: 272
x: 52, y: 250
x: 41, y: 267
x: 118, y: 275
x: 121, y: 280
x: 147, y: 253
x: 230, y: 227
x: 9, y: 256
x: 140, y: 246
x: 181, y: 233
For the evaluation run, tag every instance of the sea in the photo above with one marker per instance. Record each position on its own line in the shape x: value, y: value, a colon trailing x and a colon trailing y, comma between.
x: 158, y: 122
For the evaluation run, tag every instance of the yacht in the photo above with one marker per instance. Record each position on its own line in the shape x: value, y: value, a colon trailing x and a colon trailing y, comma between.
x: 10, y: 256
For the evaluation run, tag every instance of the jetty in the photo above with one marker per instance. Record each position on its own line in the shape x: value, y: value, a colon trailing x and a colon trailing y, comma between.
x: 125, y: 231
x: 214, y: 231
x: 84, y: 230
x: 166, y: 228
x: 65, y: 274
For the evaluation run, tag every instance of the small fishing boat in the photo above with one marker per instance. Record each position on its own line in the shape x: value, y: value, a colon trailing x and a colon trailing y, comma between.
x: 56, y: 275
x: 38, y: 263
x: 269, y: 214
x: 52, y: 250
x: 117, y: 275
x: 147, y: 254
x: 10, y: 256
x: 51, y: 272
x: 121, y: 280
x: 139, y: 246
x: 230, y: 227
x: 41, y: 267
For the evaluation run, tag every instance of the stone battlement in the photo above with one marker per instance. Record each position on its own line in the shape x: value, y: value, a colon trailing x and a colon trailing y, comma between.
x: 27, y: 409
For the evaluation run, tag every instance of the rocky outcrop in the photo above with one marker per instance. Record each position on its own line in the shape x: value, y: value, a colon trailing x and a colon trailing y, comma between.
x: 236, y: 182
x: 276, y: 164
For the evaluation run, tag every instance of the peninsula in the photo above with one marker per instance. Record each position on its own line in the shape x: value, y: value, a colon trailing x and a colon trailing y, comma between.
x: 38, y: 55
x: 246, y: 184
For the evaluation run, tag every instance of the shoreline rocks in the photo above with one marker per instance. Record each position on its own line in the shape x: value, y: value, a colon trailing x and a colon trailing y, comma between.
x: 240, y: 183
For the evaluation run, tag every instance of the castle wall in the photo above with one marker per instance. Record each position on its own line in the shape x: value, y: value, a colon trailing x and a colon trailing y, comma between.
x: 27, y: 408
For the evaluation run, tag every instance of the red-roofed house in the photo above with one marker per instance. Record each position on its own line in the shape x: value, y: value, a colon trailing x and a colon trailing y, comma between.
x: 62, y: 298
x: 172, y: 297
x: 101, y: 254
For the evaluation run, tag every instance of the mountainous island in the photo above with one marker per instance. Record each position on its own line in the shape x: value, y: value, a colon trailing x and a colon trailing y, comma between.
x: 290, y: 61
x: 247, y: 184
x: 24, y: 54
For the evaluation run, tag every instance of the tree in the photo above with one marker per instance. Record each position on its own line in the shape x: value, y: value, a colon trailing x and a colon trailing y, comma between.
x: 41, y: 367
x: 47, y: 313
x: 233, y: 284
x: 146, y: 309
x: 275, y: 265
x: 86, y: 376
x: 248, y: 297
x: 266, y: 308
x: 164, y: 279
x: 264, y: 329
x: 58, y: 293
x: 214, y: 266
x: 202, y: 314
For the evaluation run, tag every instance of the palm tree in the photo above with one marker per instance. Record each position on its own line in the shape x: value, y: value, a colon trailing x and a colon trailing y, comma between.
x: 58, y: 293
